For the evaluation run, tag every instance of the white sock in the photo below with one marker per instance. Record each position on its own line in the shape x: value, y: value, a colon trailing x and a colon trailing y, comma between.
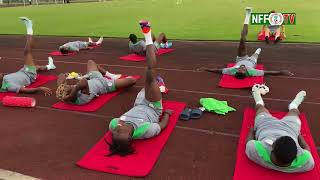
x: 248, y: 14
x: 148, y: 38
x: 297, y: 100
x: 258, y: 51
x: 257, y: 97
x: 113, y: 76
x: 90, y: 40
x: 100, y: 40
x: 50, y: 65
x: 28, y: 24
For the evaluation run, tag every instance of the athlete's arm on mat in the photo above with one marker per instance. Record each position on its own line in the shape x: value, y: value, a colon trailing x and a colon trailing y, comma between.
x: 165, y: 118
x: 45, y: 90
x: 82, y: 84
x: 282, y: 72
x: 251, y: 135
x: 303, y: 143
x: 210, y: 70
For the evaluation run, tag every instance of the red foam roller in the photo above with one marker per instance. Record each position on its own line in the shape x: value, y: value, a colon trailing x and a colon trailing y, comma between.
x: 19, y: 101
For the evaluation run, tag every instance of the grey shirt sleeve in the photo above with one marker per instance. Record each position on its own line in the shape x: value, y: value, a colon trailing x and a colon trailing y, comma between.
x: 259, y: 73
x: 153, y: 130
x: 255, y: 72
x: 229, y: 71
x: 251, y: 152
x: 308, y: 166
x: 253, y: 155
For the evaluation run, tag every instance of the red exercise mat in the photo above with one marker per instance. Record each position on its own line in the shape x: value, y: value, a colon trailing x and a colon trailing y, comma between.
x: 147, y: 151
x: 228, y: 81
x: 19, y: 101
x: 248, y: 170
x: 135, y: 57
x: 261, y: 37
x: 93, y: 105
x: 58, y: 53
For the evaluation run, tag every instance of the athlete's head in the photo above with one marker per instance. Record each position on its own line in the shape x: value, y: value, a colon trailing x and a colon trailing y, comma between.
x: 64, y: 49
x: 63, y: 90
x: 284, y: 151
x: 121, y: 140
x: 133, y: 38
x: 241, y: 72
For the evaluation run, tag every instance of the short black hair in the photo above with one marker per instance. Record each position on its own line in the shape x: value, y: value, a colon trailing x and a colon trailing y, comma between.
x: 120, y: 147
x: 285, y: 150
x: 240, y: 75
x: 63, y: 50
x: 133, y: 38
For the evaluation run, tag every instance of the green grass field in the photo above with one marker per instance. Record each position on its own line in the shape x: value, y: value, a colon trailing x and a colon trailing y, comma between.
x: 189, y: 20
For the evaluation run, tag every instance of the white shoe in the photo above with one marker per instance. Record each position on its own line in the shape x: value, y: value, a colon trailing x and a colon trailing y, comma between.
x: 258, y: 51
x: 248, y: 10
x: 113, y: 76
x: 50, y: 65
x: 90, y: 40
x: 28, y: 24
x: 100, y: 40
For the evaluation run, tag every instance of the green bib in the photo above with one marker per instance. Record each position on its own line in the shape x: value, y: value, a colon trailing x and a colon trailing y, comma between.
x: 251, y: 72
x: 5, y: 86
x: 298, y: 162
x: 140, y: 131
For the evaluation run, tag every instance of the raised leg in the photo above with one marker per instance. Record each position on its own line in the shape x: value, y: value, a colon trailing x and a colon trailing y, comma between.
x: 101, y: 69
x: 152, y: 91
x: 92, y: 66
x: 162, y: 38
x: 125, y: 82
x: 28, y: 51
x: 29, y: 44
x: 293, y: 112
x: 267, y: 32
x: 242, y: 49
x: 277, y: 33
x: 261, y: 109
x: 255, y: 55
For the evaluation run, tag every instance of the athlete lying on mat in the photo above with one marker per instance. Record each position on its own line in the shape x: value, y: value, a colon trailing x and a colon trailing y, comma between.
x: 278, y: 144
x: 142, y: 121
x: 245, y: 65
x: 76, y: 46
x: 16, y: 82
x: 273, y: 30
x: 91, y: 85
x: 139, y: 47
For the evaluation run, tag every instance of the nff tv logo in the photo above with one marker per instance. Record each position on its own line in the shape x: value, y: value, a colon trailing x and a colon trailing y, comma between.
x: 273, y: 19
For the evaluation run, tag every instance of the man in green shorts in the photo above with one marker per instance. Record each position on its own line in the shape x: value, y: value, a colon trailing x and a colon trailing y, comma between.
x: 245, y: 65
x: 278, y: 144
x: 76, y: 46
x: 139, y: 47
x: 91, y: 85
x: 143, y: 120
x: 17, y: 82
